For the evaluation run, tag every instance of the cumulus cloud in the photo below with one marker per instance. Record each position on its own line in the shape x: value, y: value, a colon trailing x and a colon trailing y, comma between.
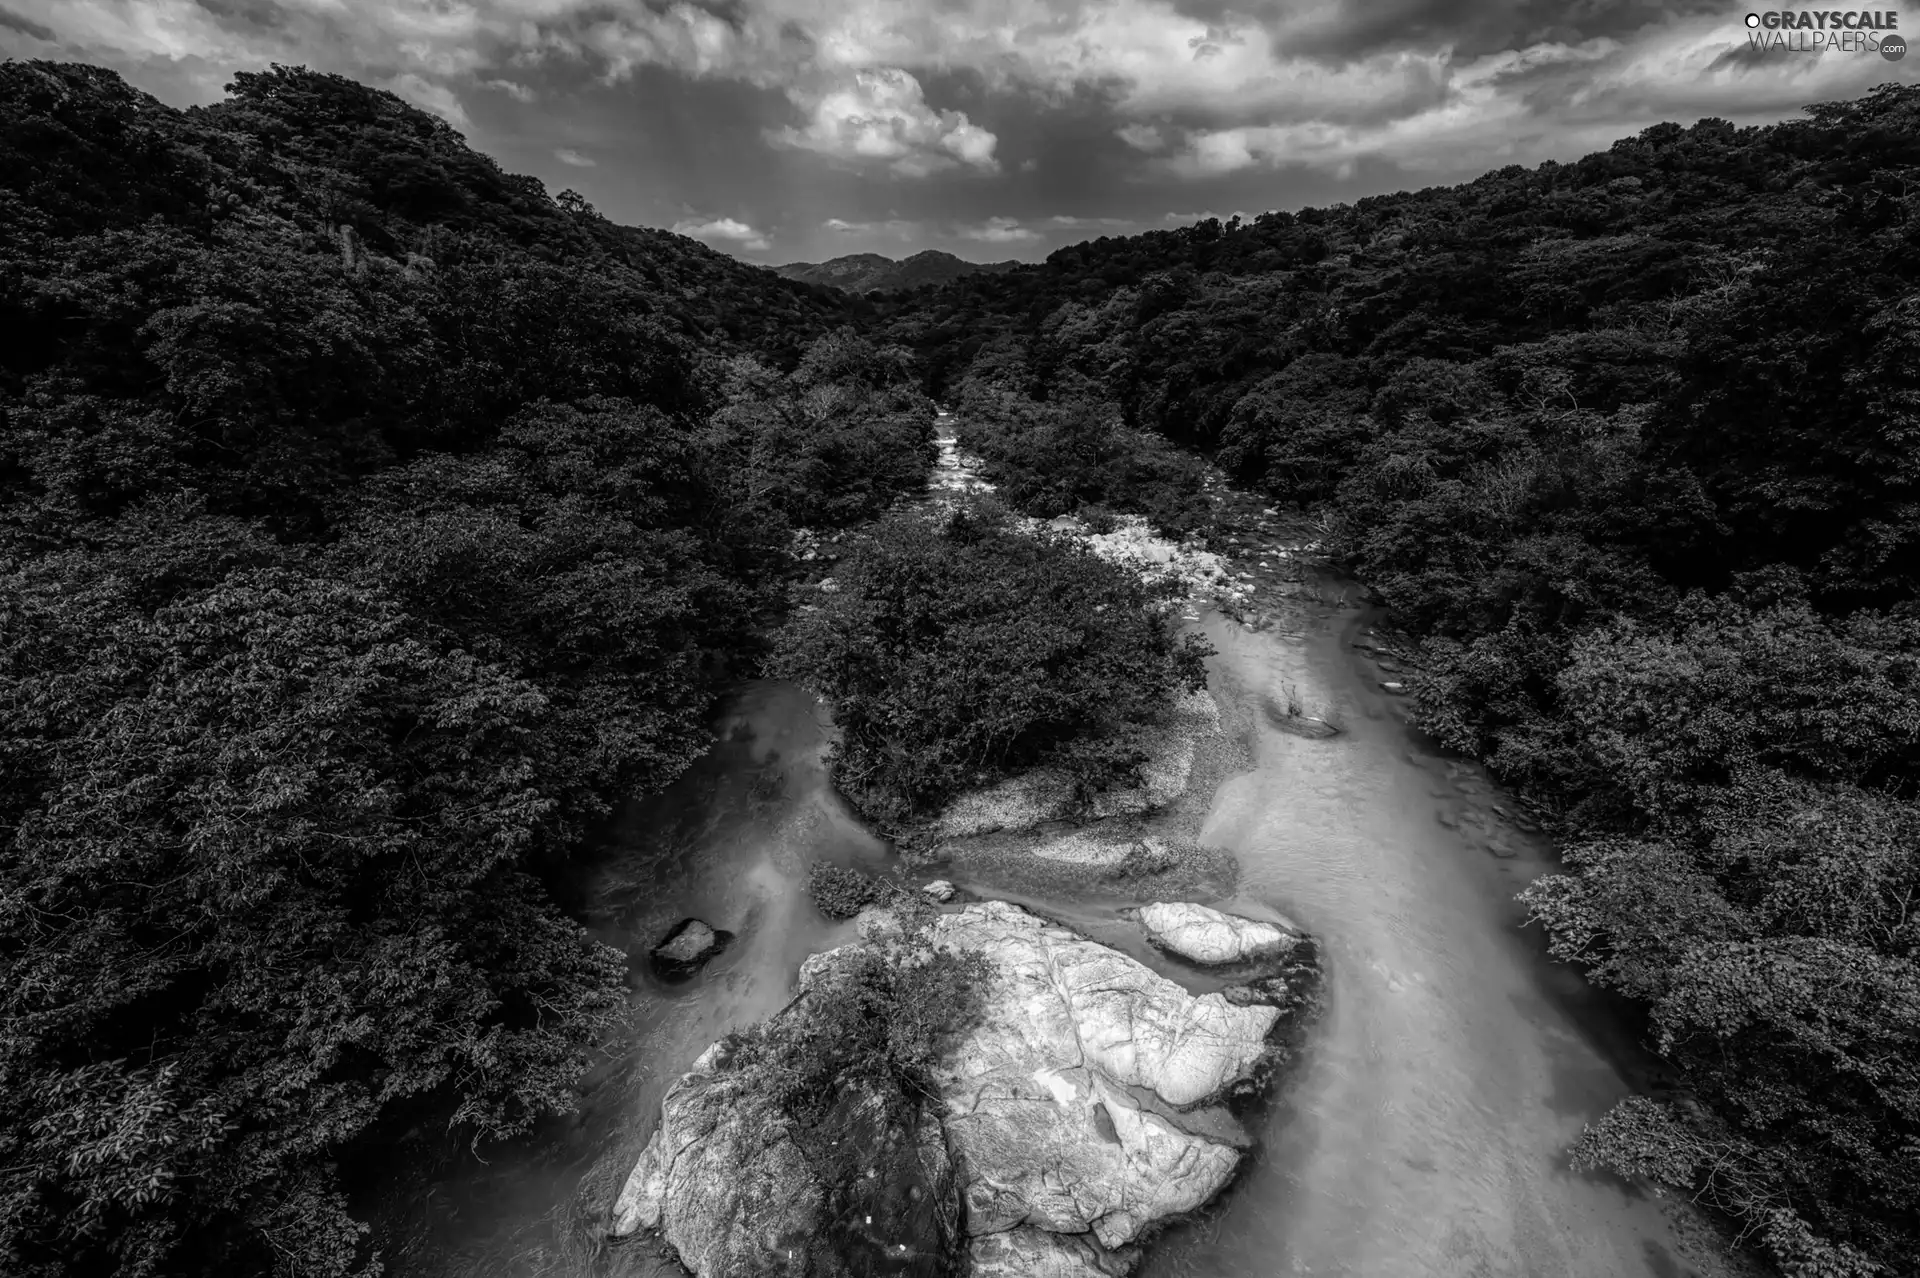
x: 892, y: 228
x: 881, y: 115
x: 1141, y: 137
x: 430, y: 95
x: 998, y: 230
x: 567, y: 155
x: 725, y: 229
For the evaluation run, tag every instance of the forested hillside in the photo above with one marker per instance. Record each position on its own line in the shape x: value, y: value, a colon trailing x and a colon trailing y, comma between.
x: 371, y: 526
x: 1630, y: 443
x: 872, y: 273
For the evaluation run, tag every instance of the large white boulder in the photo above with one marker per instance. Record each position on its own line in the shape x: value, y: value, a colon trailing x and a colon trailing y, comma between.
x: 1066, y: 1118
x: 1207, y: 936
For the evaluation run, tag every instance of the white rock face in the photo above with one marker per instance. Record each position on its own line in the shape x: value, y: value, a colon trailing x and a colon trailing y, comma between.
x: 1068, y: 1115
x: 1025, y: 1252
x: 1040, y: 1117
x: 1203, y: 935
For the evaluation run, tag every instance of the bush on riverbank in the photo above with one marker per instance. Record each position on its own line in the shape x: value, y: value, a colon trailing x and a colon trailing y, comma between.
x: 956, y: 650
x: 1072, y: 455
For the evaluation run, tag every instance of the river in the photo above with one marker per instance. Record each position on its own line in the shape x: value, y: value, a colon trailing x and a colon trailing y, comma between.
x: 1424, y: 1129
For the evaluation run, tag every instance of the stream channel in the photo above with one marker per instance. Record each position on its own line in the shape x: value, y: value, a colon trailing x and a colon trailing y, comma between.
x: 1424, y: 1129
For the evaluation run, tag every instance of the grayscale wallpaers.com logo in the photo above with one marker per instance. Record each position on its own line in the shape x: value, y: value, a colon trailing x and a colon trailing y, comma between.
x: 1825, y: 30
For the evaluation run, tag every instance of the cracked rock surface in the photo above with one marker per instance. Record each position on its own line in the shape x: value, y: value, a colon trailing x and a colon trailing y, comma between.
x: 1207, y: 936
x: 1075, y: 1116
x: 1063, y: 1104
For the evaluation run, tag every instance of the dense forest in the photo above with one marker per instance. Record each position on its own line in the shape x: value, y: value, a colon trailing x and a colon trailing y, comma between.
x: 1630, y: 445
x: 370, y: 525
x: 373, y: 523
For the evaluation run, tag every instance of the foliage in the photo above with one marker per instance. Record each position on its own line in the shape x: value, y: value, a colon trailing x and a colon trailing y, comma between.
x: 887, y: 1015
x: 1072, y: 456
x: 956, y: 649
x: 841, y: 893
x: 834, y: 443
x: 264, y: 881
x: 367, y: 533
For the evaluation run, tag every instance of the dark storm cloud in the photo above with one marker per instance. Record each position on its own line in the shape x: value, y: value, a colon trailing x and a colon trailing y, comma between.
x: 11, y: 21
x: 1474, y: 28
x: 264, y: 15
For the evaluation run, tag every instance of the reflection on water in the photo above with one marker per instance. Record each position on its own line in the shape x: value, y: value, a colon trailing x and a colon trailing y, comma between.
x: 1424, y: 1130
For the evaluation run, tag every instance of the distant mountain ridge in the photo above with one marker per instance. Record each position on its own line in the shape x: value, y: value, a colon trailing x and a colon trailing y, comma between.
x: 873, y: 273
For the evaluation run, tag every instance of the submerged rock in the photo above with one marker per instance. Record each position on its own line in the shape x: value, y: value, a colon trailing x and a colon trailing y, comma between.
x: 1078, y: 1112
x: 1207, y: 936
x: 687, y: 948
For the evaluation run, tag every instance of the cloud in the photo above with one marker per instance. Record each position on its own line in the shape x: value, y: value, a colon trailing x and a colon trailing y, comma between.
x: 518, y: 92
x: 430, y: 96
x: 10, y: 21
x: 567, y: 155
x: 1525, y: 104
x: 1200, y: 91
x: 998, y: 230
x: 1084, y: 223
x: 881, y: 116
x: 894, y: 228
x: 1204, y: 214
x: 726, y: 229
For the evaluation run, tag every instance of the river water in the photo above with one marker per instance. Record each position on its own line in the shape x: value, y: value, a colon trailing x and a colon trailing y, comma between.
x: 1424, y: 1129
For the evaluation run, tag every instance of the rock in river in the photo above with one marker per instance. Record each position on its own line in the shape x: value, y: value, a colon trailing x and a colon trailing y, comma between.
x: 1076, y: 1113
x: 686, y: 948
x: 1206, y: 936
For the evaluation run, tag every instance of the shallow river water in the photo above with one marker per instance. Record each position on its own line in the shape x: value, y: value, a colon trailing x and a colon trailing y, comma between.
x: 1424, y: 1129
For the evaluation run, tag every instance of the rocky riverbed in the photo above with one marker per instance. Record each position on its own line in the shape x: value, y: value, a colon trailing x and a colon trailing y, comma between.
x: 1088, y: 1102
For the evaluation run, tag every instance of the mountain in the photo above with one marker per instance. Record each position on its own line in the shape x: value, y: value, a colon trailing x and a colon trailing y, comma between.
x: 872, y: 273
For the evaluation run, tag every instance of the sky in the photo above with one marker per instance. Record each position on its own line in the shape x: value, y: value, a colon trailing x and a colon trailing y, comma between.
x: 799, y: 130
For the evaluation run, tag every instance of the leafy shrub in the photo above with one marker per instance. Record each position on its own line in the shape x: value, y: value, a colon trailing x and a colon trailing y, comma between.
x: 955, y: 650
x: 1073, y: 456
x: 846, y: 1074
x: 841, y: 893
x: 886, y: 1016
